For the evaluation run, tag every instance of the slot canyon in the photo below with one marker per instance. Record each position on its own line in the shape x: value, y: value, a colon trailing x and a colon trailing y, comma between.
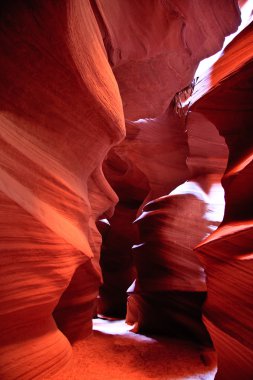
x: 126, y: 189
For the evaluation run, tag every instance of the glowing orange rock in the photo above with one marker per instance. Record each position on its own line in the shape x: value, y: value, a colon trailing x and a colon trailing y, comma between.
x: 227, y: 253
x: 60, y: 114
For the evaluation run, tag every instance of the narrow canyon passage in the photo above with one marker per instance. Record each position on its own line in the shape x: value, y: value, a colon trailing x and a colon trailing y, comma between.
x: 126, y: 182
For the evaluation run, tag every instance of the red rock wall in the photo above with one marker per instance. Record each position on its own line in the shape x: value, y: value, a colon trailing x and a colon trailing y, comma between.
x: 119, y: 234
x: 60, y: 114
x: 58, y: 94
x: 160, y: 45
x: 152, y: 59
x: 170, y: 287
x: 227, y: 254
x: 117, y: 262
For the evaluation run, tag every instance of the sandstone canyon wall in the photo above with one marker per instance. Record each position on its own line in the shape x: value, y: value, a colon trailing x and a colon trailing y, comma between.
x: 58, y: 94
x: 74, y: 76
x: 227, y: 99
x: 170, y: 286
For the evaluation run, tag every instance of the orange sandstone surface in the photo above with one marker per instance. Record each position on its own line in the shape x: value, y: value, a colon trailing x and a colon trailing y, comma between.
x: 107, y: 179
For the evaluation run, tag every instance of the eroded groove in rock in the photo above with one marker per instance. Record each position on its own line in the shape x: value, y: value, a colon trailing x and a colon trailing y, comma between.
x: 117, y: 262
x: 227, y: 253
x: 60, y: 114
x: 149, y: 73
x: 170, y: 287
x: 158, y: 148
x: 58, y: 94
x: 119, y: 234
x: 160, y: 46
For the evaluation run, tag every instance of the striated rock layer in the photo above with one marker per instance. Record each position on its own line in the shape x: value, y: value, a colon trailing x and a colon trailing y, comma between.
x: 58, y: 94
x: 160, y: 45
x: 227, y: 253
x: 152, y: 60
x: 60, y: 113
x: 170, y: 287
x: 119, y: 234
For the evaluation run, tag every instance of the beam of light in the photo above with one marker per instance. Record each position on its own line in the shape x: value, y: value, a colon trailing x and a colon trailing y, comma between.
x: 247, y: 18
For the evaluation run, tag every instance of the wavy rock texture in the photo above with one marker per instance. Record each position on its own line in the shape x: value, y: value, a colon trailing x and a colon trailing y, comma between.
x: 58, y: 94
x: 60, y: 114
x: 158, y: 148
x: 120, y: 234
x: 117, y: 262
x: 227, y: 254
x: 160, y: 45
x: 170, y: 286
x: 138, y: 176
x: 152, y: 60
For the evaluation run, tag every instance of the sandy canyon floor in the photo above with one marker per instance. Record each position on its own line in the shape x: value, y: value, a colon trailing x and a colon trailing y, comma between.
x: 115, y: 353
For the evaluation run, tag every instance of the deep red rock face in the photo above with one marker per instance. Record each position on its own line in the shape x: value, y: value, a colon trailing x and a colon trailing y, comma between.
x: 117, y: 261
x: 170, y: 287
x: 227, y: 254
x: 158, y: 148
x: 159, y: 47
x: 60, y: 114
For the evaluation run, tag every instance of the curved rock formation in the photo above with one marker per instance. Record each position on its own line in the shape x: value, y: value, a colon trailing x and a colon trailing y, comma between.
x: 158, y: 148
x: 227, y: 253
x: 145, y: 66
x: 119, y: 234
x: 117, y: 262
x: 60, y: 114
x: 58, y: 94
x: 160, y: 46
x: 170, y: 286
